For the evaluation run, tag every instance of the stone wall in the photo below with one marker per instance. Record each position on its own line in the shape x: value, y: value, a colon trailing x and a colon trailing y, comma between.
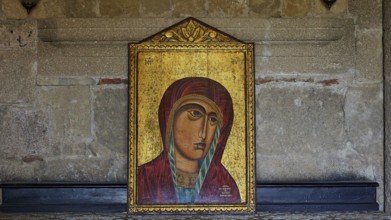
x: 387, y: 99
x: 319, y: 85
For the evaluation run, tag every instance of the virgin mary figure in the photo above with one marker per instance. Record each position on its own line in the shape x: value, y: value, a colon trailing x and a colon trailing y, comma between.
x: 195, y: 119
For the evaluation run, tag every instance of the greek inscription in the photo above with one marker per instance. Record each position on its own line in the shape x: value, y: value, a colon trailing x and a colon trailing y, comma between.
x: 225, y: 191
x: 148, y: 61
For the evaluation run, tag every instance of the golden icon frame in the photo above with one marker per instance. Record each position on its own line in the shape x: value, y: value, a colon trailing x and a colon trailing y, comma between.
x: 191, y: 48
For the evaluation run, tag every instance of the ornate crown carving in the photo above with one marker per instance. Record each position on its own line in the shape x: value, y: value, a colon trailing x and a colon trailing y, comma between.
x: 191, y: 31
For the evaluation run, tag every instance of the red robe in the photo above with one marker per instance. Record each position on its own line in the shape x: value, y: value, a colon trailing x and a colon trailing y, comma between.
x: 155, y: 184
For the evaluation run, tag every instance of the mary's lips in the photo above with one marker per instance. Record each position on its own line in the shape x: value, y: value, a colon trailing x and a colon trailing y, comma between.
x: 200, y: 145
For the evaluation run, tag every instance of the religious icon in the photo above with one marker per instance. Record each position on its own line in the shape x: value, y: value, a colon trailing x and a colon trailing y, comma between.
x: 195, y: 117
x: 191, y: 135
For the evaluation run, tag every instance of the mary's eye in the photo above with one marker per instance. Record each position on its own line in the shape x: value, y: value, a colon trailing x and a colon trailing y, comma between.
x: 194, y: 114
x: 213, y: 119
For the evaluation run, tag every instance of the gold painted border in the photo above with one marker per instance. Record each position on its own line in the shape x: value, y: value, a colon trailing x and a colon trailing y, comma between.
x: 230, y: 45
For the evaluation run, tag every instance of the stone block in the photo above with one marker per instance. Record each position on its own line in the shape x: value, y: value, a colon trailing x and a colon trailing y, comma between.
x: 152, y: 8
x: 387, y: 53
x: 110, y: 117
x: 364, y: 120
x: 69, y: 110
x: 387, y: 15
x: 369, y: 56
x: 326, y: 45
x: 64, y: 81
x: 74, y: 149
x: 39, y: 11
x: 387, y: 153
x: 186, y: 8
x: 285, y: 66
x: 17, y: 61
x: 58, y: 59
x: 365, y: 133
x: 317, y: 133
x: 18, y: 35
x: 83, y: 169
x: 2, y: 15
x: 119, y: 8
x: 13, y: 9
x: 339, y: 8
x: 17, y: 76
x: 81, y: 8
x: 227, y: 8
x: 118, y: 30
x: 12, y: 170
x: 23, y: 134
x: 50, y: 9
x: 265, y: 8
x: 73, y: 32
x: 367, y: 12
x: 296, y: 8
x: 300, y: 131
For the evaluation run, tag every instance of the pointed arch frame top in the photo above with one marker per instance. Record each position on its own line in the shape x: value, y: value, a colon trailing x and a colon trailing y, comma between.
x: 191, y: 49
x: 191, y: 30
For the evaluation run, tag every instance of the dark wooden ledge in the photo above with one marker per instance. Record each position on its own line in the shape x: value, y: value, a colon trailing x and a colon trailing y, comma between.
x: 103, y: 198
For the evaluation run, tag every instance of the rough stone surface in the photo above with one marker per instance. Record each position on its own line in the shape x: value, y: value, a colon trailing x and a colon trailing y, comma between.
x: 339, y: 8
x: 64, y: 81
x: 185, y: 8
x: 387, y: 109
x: 265, y: 8
x: 152, y: 8
x: 19, y: 171
x: 81, y: 8
x: 333, y: 53
x: 70, y: 113
x: 78, y: 60
x: 368, y: 13
x: 2, y: 15
x: 295, y: 126
x: 387, y: 102
x: 17, y: 61
x: 110, y: 109
x: 22, y: 130
x: 369, y: 60
x: 77, y: 35
x: 39, y: 11
x: 386, y: 15
x: 325, y: 45
x: 387, y: 54
x: 52, y: 9
x: 81, y: 169
x: 227, y: 8
x: 387, y: 39
x: 296, y: 8
x: 364, y: 148
x: 13, y: 9
x: 119, y: 8
x: 17, y: 76
x: 18, y: 35
x: 24, y: 142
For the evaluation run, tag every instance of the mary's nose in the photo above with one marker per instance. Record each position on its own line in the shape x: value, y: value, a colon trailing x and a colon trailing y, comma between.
x: 203, y: 129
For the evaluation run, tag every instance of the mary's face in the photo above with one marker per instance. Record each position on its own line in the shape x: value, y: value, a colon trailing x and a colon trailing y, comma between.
x: 195, y: 123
